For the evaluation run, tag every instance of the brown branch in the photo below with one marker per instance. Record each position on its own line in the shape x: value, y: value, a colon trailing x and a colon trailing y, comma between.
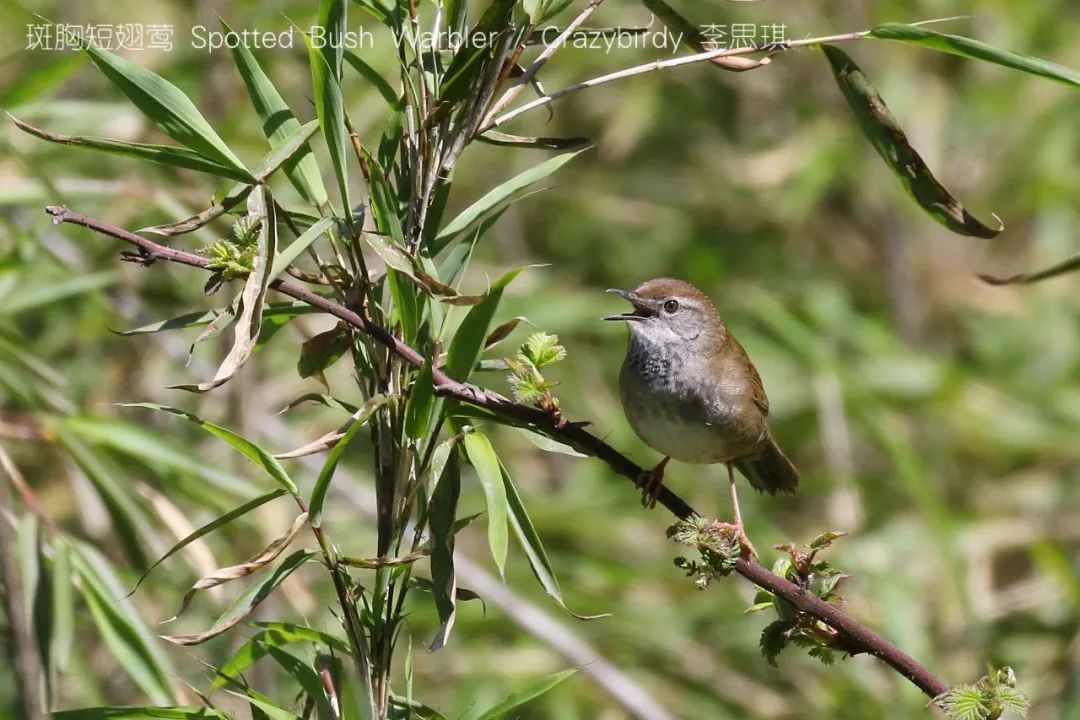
x: 857, y: 638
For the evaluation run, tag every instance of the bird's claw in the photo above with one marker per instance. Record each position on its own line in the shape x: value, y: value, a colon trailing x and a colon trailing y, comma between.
x: 651, y: 483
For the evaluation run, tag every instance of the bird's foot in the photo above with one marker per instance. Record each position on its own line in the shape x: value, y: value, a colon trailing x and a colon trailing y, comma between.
x: 748, y: 549
x: 651, y: 482
x: 738, y: 532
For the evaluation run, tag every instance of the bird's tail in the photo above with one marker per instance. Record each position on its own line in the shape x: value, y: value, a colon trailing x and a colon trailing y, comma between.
x: 770, y: 471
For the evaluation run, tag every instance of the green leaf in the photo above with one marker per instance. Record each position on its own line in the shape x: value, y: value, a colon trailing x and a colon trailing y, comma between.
x: 261, y: 704
x: 34, y: 82
x: 888, y: 138
x: 209, y: 528
x: 442, y: 514
x: 199, y: 319
x: 166, y: 106
x: 299, y: 245
x: 483, y: 458
x: 330, y: 108
x: 305, y: 676
x: 318, y: 495
x: 289, y: 149
x: 161, y: 154
x: 158, y: 451
x: 403, y: 293
x: 55, y: 289
x: 129, y: 519
x: 468, y: 343
x: 377, y: 80
x: 498, y: 195
x: 273, y: 634
x: 253, y: 565
x: 120, y: 627
x: 421, y: 402
x: 323, y: 350
x: 1066, y: 266
x: 249, y: 449
x: 976, y: 50
x: 140, y: 713
x: 246, y: 603
x: 63, y: 608
x: 774, y: 638
x: 278, y: 122
x: 532, y: 692
x: 548, y: 444
x: 472, y: 57
x: 530, y: 542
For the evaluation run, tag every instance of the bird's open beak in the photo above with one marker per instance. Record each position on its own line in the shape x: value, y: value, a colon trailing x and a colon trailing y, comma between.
x: 642, y: 308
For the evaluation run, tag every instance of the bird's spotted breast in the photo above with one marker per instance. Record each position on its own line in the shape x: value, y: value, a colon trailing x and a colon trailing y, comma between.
x: 668, y: 409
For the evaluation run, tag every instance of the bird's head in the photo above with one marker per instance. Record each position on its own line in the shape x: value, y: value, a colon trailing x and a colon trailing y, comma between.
x: 669, y: 311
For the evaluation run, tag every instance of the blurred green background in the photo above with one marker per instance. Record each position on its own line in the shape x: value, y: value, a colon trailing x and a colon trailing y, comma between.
x: 934, y: 418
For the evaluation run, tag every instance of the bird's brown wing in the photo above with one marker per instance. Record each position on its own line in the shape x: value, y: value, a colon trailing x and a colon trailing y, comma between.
x: 757, y: 388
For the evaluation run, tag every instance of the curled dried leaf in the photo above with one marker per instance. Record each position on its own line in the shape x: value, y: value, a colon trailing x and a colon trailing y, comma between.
x: 253, y: 565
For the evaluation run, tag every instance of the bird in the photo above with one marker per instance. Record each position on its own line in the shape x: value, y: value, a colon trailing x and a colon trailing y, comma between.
x: 690, y: 392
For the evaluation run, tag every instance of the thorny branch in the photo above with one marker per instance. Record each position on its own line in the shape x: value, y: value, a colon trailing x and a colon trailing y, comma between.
x: 857, y: 638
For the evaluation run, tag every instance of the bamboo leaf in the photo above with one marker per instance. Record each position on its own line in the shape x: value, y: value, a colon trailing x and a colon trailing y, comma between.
x: 273, y: 634
x: 209, y: 528
x: 306, y: 678
x: 530, y: 542
x: 472, y: 57
x: 250, y: 450
x: 443, y: 512
x: 63, y: 609
x: 531, y: 693
x: 140, y: 713
x: 494, y: 137
x: 129, y: 519
x: 278, y: 122
x: 888, y: 138
x: 54, y: 289
x: 468, y: 342
x: 421, y: 402
x: 254, y: 564
x: 120, y: 627
x: 548, y: 444
x: 286, y: 257
x: 318, y: 494
x: 247, y: 602
x: 158, y: 451
x: 377, y: 80
x: 496, y: 196
x: 330, y: 108
x: 165, y: 105
x: 694, y: 37
x: 1066, y: 266
x: 486, y: 462
x: 160, y: 154
x: 976, y: 50
x: 323, y: 350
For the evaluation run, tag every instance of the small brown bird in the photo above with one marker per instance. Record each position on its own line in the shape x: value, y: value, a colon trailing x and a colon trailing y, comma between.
x: 690, y: 392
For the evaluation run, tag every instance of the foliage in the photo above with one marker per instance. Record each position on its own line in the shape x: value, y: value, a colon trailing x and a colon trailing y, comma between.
x: 987, y: 699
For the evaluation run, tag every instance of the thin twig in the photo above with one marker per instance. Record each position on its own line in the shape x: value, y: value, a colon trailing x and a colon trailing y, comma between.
x: 858, y: 638
x: 549, y: 50
x: 663, y: 65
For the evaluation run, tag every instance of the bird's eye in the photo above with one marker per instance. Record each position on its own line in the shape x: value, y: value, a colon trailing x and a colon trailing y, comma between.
x: 671, y: 307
